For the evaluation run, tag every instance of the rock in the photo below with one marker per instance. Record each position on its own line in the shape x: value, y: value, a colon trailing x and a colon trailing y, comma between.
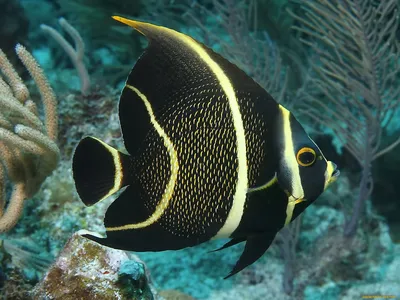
x: 174, y: 295
x: 87, y: 270
x: 132, y: 276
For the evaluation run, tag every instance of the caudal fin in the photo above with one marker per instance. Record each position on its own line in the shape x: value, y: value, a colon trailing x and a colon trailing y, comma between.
x: 99, y: 170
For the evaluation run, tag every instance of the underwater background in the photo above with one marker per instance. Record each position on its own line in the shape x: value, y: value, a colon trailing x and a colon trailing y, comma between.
x: 333, y: 63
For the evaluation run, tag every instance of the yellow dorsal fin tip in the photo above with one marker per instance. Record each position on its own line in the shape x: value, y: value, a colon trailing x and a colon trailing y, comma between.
x: 126, y: 21
x: 137, y: 25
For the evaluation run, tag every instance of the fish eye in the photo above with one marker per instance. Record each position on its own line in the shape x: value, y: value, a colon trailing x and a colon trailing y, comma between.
x: 306, y: 156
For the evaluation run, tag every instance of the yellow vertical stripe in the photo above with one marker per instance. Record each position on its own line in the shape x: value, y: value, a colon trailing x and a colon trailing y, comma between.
x: 169, y: 190
x: 290, y: 165
x: 239, y: 198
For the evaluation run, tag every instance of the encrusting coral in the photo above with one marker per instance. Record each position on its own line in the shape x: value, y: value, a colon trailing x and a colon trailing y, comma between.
x: 28, y: 149
x: 87, y: 270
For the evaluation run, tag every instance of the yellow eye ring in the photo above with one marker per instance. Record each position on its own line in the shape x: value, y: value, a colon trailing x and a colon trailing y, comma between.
x: 306, y: 157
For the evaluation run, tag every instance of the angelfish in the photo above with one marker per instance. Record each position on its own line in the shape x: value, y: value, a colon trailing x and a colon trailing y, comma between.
x: 210, y: 154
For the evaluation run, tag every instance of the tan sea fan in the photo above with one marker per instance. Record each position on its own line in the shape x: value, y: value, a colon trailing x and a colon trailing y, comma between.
x: 28, y: 149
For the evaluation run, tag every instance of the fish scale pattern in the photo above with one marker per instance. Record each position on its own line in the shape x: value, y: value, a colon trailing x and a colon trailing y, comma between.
x: 256, y: 129
x: 200, y: 125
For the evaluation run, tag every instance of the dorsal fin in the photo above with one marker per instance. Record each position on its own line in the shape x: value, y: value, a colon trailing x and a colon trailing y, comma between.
x: 172, y: 68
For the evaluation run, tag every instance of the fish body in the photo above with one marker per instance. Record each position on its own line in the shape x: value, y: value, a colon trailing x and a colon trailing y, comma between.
x: 210, y: 154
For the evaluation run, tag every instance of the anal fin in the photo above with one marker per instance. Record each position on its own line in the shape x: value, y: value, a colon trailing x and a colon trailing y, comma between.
x: 129, y: 226
x: 254, y: 249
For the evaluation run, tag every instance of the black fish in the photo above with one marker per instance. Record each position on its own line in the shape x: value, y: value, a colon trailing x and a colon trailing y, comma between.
x: 211, y: 155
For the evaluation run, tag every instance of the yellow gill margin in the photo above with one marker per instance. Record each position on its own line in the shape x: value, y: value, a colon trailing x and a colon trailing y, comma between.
x: 118, y: 168
x: 236, y: 212
x: 163, y: 204
x: 289, y: 159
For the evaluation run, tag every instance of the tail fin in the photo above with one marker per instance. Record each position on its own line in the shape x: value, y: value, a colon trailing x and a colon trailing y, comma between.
x: 99, y: 170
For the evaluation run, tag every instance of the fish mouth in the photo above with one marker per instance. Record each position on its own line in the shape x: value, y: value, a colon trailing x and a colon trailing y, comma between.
x: 331, y: 174
x: 293, y: 198
x: 336, y: 173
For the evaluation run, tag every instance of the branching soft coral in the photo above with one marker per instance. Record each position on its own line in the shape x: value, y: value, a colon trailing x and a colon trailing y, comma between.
x: 356, y: 76
x: 28, y: 149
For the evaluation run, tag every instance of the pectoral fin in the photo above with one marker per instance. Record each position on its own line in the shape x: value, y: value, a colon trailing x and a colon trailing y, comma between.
x: 254, y: 249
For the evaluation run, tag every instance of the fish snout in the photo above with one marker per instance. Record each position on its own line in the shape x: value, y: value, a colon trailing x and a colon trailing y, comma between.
x: 336, y: 171
x: 331, y: 174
